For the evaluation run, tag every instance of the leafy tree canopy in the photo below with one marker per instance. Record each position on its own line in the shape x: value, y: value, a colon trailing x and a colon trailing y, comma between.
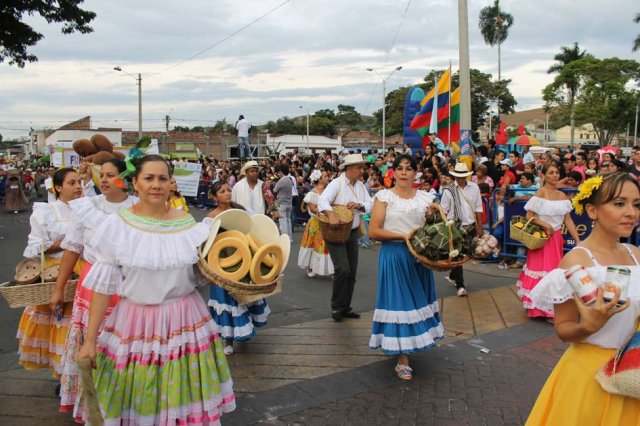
x: 494, y: 24
x: 16, y: 36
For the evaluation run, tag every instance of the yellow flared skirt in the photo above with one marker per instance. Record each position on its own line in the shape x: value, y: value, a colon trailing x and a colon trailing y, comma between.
x: 572, y: 395
x: 41, y: 336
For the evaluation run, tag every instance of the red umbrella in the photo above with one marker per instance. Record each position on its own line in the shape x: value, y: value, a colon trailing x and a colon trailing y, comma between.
x: 524, y: 140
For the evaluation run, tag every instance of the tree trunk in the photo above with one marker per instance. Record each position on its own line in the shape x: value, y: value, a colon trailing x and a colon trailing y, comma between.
x: 572, y: 109
x: 499, y: 76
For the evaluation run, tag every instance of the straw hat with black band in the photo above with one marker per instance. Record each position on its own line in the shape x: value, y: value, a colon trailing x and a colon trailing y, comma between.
x: 351, y: 160
x: 461, y: 170
x: 252, y: 164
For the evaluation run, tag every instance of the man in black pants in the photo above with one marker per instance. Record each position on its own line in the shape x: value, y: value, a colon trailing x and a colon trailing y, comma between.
x: 347, y: 190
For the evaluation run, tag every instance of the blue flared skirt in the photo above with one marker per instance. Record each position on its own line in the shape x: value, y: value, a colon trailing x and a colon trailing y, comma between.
x: 406, y: 318
x: 235, y: 321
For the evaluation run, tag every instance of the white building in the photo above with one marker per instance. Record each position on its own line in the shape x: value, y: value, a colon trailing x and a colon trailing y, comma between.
x: 286, y: 143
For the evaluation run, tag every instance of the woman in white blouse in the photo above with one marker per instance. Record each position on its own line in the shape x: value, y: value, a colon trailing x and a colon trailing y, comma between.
x: 406, y: 319
x: 42, y: 332
x: 572, y: 395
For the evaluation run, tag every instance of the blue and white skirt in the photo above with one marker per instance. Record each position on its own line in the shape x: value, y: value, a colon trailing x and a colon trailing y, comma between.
x: 406, y: 318
x: 234, y: 321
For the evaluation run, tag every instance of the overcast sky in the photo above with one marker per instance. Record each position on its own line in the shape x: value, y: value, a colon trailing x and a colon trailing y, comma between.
x: 309, y: 53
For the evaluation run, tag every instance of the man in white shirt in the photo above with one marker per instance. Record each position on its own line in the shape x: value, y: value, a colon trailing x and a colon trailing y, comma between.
x: 248, y: 191
x: 48, y: 185
x: 347, y: 190
x: 462, y: 201
x: 244, y: 148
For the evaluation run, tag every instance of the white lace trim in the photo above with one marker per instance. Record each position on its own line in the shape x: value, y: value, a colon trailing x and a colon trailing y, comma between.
x: 395, y: 344
x: 229, y: 332
x: 319, y: 263
x: 156, y: 249
x: 406, y: 317
x: 417, y: 204
x: 533, y: 274
x: 548, y: 207
x: 235, y: 311
x: 104, y: 278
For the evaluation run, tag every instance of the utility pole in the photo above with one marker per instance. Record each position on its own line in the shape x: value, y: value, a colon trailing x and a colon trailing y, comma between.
x: 166, y: 123
x: 465, y: 74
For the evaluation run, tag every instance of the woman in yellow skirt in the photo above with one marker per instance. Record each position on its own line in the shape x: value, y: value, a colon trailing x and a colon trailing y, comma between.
x: 176, y: 200
x: 572, y: 395
x: 314, y: 254
x: 41, y: 332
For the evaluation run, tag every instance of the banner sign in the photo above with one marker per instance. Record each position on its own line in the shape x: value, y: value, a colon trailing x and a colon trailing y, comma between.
x: 187, y: 177
x: 465, y: 142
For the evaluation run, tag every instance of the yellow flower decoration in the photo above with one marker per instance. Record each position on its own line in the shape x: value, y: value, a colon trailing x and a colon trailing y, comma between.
x: 584, y: 192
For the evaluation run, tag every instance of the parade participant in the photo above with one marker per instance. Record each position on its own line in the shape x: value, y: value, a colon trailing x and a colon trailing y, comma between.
x: 314, y: 256
x: 160, y: 328
x: 235, y: 322
x: 462, y: 201
x: 88, y: 214
x: 572, y: 395
x: 176, y: 200
x: 349, y: 191
x: 248, y: 191
x: 406, y: 319
x: 15, y: 200
x: 283, y: 191
x: 550, y: 208
x: 42, y: 332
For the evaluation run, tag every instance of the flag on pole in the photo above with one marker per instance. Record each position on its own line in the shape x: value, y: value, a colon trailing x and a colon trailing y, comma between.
x: 438, y: 95
x: 433, y: 125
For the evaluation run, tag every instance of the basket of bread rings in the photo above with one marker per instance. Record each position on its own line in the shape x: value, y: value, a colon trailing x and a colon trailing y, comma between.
x: 245, y: 255
x: 94, y: 153
x: 439, y: 244
x: 339, y: 234
x: 33, y: 284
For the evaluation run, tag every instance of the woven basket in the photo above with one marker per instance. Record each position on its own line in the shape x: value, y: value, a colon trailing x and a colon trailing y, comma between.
x: 20, y: 296
x: 529, y: 241
x: 339, y: 234
x: 436, y: 265
x: 244, y: 293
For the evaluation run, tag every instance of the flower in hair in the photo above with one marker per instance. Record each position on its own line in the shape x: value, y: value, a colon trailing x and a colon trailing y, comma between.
x: 584, y: 193
x: 315, y: 175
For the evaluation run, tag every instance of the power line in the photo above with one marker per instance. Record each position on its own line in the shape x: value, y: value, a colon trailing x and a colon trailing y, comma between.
x: 223, y: 40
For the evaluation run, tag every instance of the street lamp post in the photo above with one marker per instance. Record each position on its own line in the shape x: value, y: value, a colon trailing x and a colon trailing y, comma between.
x: 384, y: 101
x: 307, y: 127
x: 139, y: 83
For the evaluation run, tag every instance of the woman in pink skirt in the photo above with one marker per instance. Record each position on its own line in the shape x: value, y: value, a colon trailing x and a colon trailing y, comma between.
x: 550, y: 208
x: 158, y: 358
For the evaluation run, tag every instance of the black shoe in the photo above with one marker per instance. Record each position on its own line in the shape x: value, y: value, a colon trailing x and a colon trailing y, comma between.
x: 351, y: 314
x: 58, y: 390
x: 337, y: 316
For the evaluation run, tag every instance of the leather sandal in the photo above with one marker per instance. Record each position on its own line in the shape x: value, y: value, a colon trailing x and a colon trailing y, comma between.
x: 404, y: 372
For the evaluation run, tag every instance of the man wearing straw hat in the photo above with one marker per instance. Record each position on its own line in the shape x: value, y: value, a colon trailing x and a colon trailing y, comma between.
x: 248, y: 191
x: 347, y: 190
x: 462, y: 201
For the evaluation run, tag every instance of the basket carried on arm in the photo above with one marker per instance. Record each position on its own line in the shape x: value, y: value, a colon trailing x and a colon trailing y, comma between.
x: 438, y: 265
x: 519, y: 234
x: 339, y: 234
x: 25, y: 291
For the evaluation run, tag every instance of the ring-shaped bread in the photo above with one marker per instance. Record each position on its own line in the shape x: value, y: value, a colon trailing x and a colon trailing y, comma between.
x: 268, y: 249
x: 235, y: 257
x: 255, y: 246
x: 245, y: 257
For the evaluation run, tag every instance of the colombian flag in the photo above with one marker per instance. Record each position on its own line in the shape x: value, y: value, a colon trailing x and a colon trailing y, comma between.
x: 441, y: 99
x: 451, y: 120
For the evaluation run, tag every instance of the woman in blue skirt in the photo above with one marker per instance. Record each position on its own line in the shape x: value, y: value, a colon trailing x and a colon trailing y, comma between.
x: 406, y: 319
x: 235, y: 322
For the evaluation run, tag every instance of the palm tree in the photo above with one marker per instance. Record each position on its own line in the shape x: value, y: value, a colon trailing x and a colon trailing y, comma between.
x: 571, y: 82
x: 494, y: 26
x: 636, y: 43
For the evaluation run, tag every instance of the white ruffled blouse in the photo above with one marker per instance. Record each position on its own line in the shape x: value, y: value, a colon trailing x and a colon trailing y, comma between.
x: 88, y: 215
x: 311, y: 197
x: 146, y: 260
x: 555, y: 289
x: 404, y: 215
x: 50, y: 222
x: 551, y: 211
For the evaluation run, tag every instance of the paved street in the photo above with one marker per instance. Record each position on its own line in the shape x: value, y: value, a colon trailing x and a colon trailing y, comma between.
x: 306, y: 369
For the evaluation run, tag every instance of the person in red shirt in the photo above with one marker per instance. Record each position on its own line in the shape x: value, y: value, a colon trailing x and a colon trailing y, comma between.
x: 508, y: 177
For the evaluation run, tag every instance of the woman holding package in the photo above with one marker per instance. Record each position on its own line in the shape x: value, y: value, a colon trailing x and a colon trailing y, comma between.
x: 549, y: 208
x: 406, y: 318
x: 158, y: 357
x: 572, y: 394
x: 42, y: 332
x: 89, y: 213
x: 235, y: 322
x: 314, y: 255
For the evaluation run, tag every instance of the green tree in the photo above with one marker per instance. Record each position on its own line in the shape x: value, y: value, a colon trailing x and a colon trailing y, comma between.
x: 603, y: 98
x: 494, y: 25
x: 348, y: 115
x: 321, y: 126
x: 394, y: 102
x: 325, y: 113
x: 180, y: 128
x: 636, y: 42
x: 16, y: 36
x: 567, y: 80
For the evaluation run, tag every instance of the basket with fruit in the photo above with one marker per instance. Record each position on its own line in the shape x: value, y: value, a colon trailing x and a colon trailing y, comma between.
x: 532, y: 236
